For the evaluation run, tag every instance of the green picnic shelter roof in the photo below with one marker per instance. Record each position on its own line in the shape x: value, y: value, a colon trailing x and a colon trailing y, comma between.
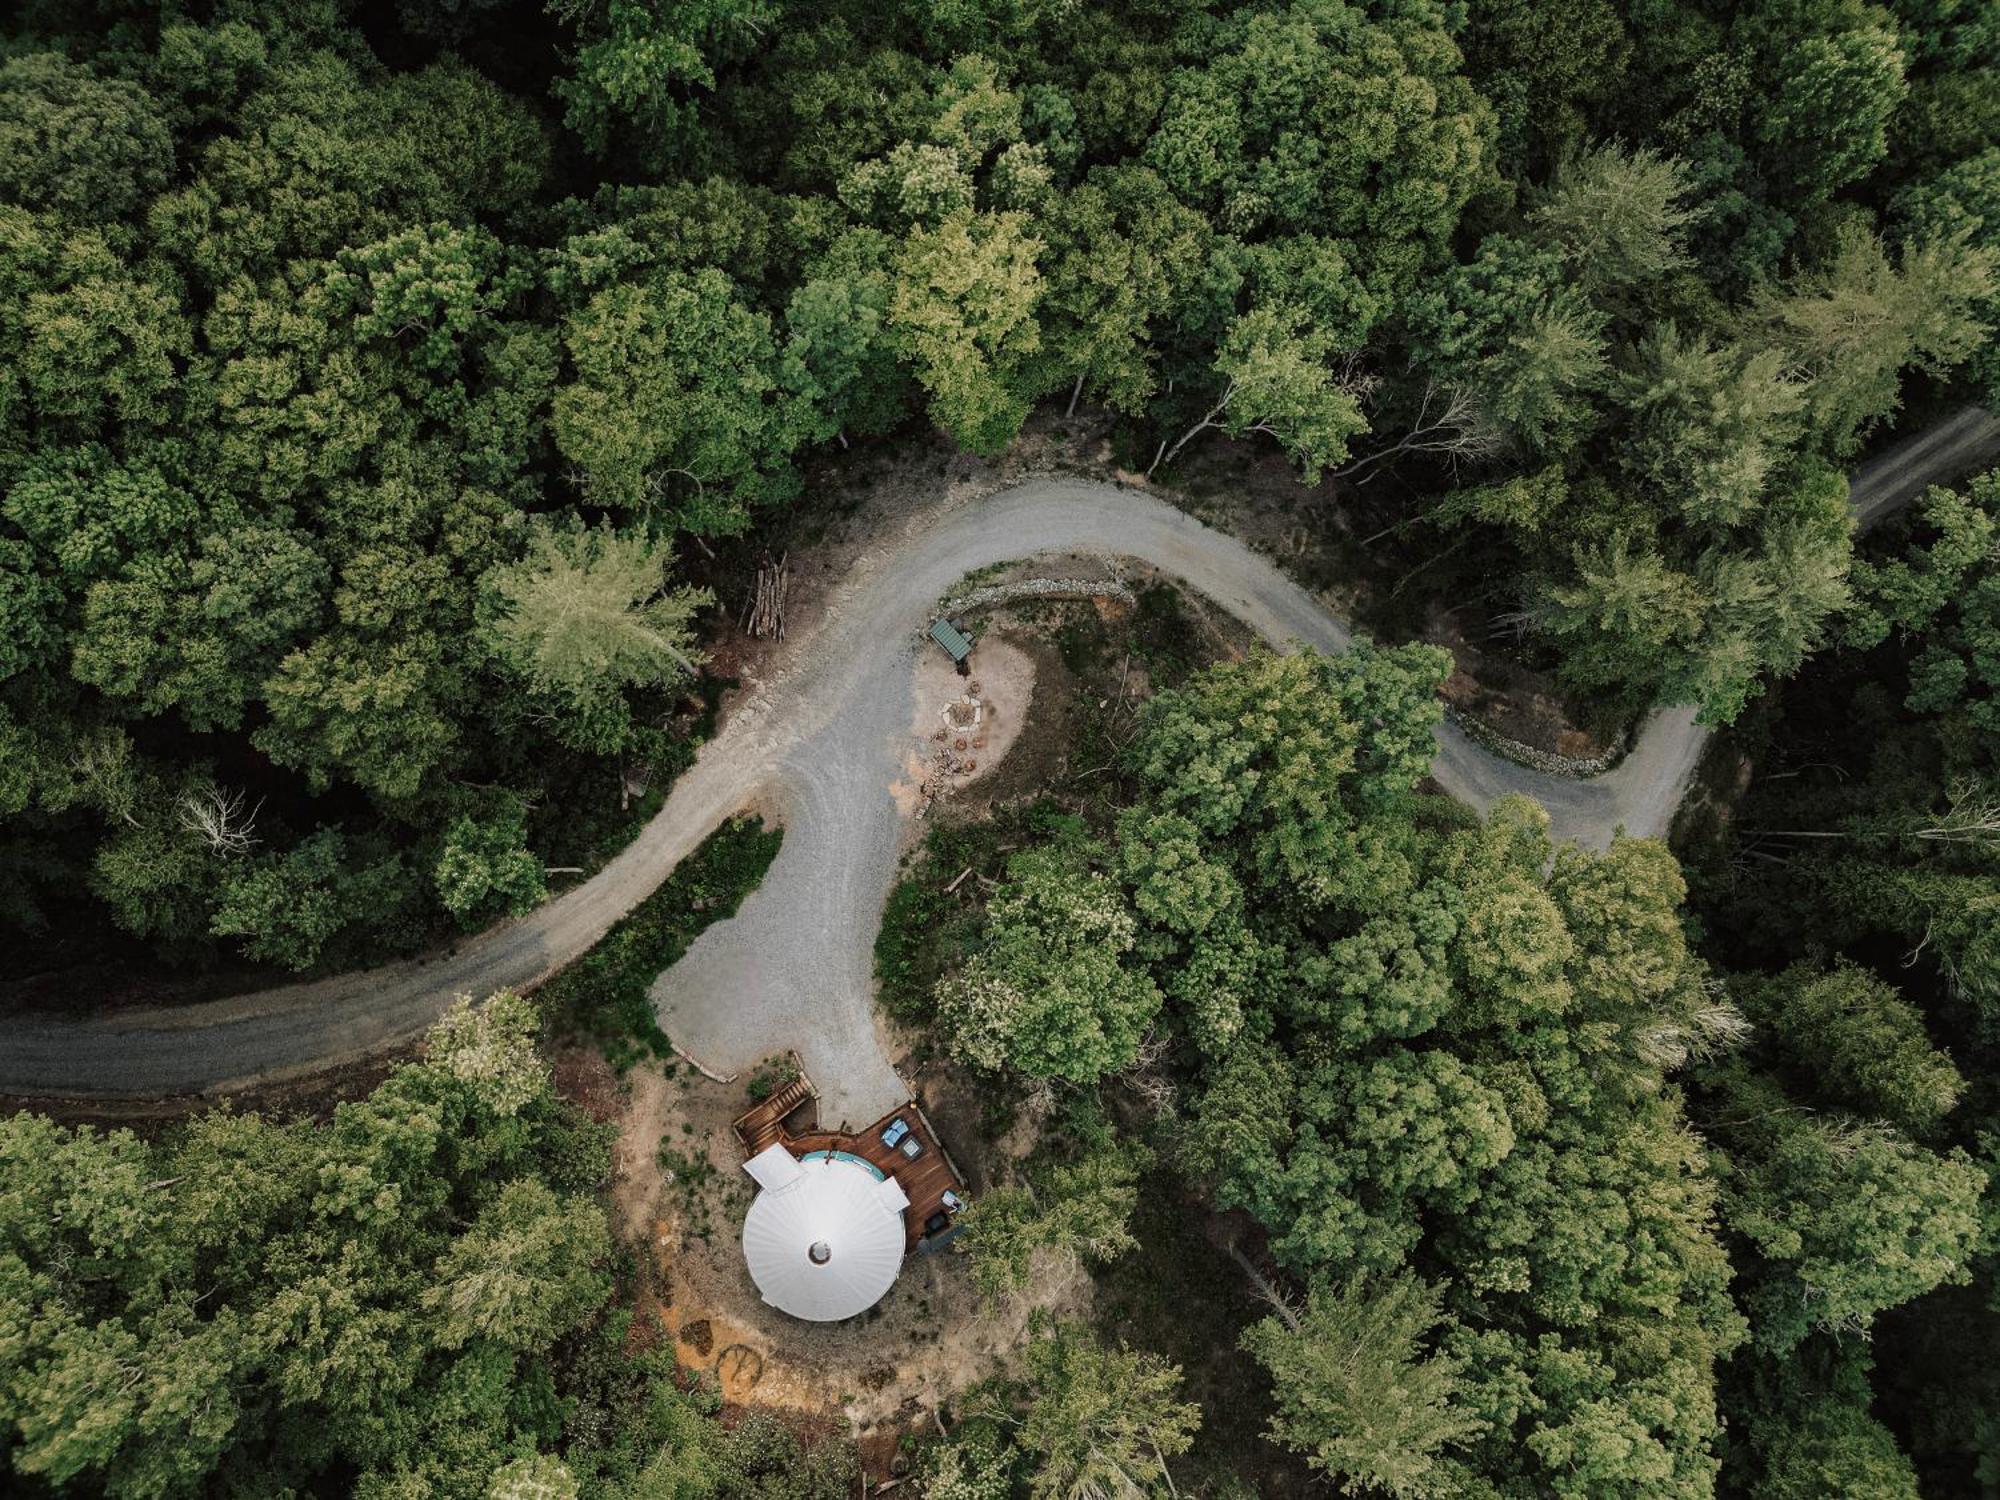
x: 952, y: 639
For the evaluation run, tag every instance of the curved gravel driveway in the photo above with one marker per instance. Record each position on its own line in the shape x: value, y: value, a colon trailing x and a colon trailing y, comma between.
x: 793, y: 967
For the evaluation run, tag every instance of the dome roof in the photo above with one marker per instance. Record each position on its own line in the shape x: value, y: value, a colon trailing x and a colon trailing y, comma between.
x: 824, y: 1239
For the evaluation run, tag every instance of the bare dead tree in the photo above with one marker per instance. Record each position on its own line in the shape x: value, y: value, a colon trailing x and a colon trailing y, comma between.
x: 1971, y: 816
x: 103, y: 764
x: 1910, y: 958
x: 1704, y: 1031
x: 1264, y: 1287
x: 1449, y: 424
x: 1148, y: 1079
x: 1038, y: 1103
x: 1351, y: 377
x: 220, y: 817
x: 1210, y: 419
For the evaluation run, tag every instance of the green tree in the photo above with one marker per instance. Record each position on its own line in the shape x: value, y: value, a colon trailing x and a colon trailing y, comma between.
x: 364, y: 1301
x: 1846, y: 1218
x: 1622, y: 911
x: 523, y: 1273
x: 31, y: 631
x: 1356, y: 1391
x: 637, y: 61
x: 1943, y: 597
x: 1851, y: 324
x: 491, y: 1049
x: 964, y: 314
x: 586, y: 616
x: 971, y: 1466
x: 199, y: 634
x: 1278, y: 379
x: 1314, y: 745
x: 1908, y: 594
x: 89, y: 147
x: 1514, y: 329
x: 676, y: 398
x: 1826, y: 123
x: 1382, y: 1144
x: 1123, y: 255
x: 1834, y: 1447
x: 1618, y: 217
x: 1708, y: 424
x: 1321, y: 120
x: 840, y: 353
x: 540, y: 1477
x: 1707, y: 624
x: 1462, y: 1062
x: 1050, y: 994
x: 99, y: 340
x: 485, y: 868
x: 433, y: 290
x: 1859, y: 1041
x: 287, y: 907
x: 378, y: 711
x: 1101, y: 1421
x: 1548, y: 70
x: 1080, y: 1213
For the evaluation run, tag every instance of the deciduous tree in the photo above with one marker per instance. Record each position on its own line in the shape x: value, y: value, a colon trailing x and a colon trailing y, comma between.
x: 1051, y: 994
x: 676, y: 402
x: 964, y: 312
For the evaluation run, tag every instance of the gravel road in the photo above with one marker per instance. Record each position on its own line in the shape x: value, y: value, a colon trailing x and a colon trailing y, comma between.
x: 823, y: 740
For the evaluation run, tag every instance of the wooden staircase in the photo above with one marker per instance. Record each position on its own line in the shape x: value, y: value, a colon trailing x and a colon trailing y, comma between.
x: 762, y: 1125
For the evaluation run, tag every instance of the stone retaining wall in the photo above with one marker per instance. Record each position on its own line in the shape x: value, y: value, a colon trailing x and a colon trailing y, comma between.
x: 1579, y: 768
x: 995, y: 595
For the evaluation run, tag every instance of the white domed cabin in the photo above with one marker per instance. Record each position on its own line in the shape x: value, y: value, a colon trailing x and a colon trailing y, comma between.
x: 835, y: 1213
x: 824, y: 1239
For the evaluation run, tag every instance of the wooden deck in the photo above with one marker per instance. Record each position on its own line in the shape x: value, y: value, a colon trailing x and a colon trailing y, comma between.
x: 779, y: 1120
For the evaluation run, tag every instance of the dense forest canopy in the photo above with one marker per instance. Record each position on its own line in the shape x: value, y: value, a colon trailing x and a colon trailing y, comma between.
x: 1428, y: 1059
x: 1553, y: 1201
x: 408, y: 1300
x: 371, y: 372
x: 383, y: 387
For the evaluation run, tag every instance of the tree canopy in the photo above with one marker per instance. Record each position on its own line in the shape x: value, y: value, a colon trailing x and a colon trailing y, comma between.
x: 392, y: 398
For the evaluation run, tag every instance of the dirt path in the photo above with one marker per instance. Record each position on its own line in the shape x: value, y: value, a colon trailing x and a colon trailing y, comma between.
x: 822, y: 741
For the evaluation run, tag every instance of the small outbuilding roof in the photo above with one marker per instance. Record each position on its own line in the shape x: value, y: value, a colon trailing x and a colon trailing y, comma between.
x: 824, y: 1238
x: 952, y: 639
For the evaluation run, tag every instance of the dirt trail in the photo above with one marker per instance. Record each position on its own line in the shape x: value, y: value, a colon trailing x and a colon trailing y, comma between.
x: 823, y: 740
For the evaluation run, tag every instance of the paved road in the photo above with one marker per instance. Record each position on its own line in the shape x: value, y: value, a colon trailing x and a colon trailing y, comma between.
x: 792, y: 968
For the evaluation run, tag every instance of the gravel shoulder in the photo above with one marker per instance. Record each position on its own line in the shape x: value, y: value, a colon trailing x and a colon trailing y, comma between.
x: 820, y: 743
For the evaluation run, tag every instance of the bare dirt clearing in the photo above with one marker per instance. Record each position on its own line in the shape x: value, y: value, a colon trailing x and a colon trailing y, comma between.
x: 963, y: 726
x: 678, y: 1196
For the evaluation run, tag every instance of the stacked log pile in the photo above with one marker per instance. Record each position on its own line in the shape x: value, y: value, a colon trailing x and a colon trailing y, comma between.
x: 764, y: 615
